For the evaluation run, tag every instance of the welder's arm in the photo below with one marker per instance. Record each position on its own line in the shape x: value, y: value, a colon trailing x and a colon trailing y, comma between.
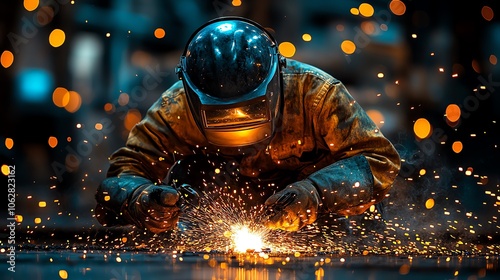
x: 137, y: 201
x: 358, y: 172
x: 365, y: 163
x: 132, y: 193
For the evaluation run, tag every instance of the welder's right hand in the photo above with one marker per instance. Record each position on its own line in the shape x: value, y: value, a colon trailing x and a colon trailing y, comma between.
x: 153, y: 207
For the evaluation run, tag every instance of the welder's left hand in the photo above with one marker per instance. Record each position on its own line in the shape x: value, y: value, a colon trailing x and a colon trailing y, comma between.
x: 293, y: 207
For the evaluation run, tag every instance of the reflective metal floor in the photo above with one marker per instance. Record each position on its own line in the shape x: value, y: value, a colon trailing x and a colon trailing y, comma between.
x: 133, y: 265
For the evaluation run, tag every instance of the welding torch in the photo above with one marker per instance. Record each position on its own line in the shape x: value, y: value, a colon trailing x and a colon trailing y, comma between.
x: 188, y: 197
x: 280, y: 205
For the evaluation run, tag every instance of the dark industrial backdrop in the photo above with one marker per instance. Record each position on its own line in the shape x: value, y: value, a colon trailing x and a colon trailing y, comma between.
x: 77, y: 75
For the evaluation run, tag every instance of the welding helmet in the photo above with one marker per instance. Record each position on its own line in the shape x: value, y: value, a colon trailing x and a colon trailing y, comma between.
x: 231, y: 72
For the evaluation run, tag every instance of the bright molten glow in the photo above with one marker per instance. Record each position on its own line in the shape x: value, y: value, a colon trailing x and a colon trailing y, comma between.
x: 245, y: 239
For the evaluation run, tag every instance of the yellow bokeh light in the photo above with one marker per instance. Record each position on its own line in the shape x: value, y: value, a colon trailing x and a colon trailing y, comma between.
x: 52, y: 141
x: 42, y: 204
x: 74, y: 103
x: 236, y: 3
x: 429, y: 203
x: 19, y: 218
x: 132, y: 117
x: 57, y: 38
x: 487, y: 13
x: 457, y: 146
x: 422, y: 128
x: 366, y: 10
x: 31, y: 5
x: 319, y: 273
x: 7, y: 59
x: 38, y: 220
x: 63, y: 274
x: 422, y: 172
x: 159, y: 33
x: 5, y: 169
x: 9, y: 143
x: 397, y: 7
x: 354, y: 11
x: 306, y: 37
x: 60, y: 97
x: 348, y: 47
x: 287, y: 49
x: 453, y: 112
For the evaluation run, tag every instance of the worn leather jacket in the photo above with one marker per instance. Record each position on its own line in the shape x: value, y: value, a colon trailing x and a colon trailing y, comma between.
x: 324, y: 136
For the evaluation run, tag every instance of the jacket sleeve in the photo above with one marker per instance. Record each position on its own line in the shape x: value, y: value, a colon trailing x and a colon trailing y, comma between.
x: 153, y: 145
x: 365, y: 163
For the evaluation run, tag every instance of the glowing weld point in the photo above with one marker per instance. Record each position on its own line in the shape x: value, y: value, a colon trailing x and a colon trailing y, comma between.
x: 246, y: 240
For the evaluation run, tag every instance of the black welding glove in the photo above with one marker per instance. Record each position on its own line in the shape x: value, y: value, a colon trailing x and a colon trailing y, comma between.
x: 294, y: 207
x: 136, y: 201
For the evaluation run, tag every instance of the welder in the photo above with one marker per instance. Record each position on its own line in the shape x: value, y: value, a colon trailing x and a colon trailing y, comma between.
x: 245, y: 121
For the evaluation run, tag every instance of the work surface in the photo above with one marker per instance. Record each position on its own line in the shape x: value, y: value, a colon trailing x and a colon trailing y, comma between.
x: 123, y: 264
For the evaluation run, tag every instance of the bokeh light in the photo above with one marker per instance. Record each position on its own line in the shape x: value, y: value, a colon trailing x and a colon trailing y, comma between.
x: 306, y: 37
x: 376, y: 116
x: 429, y: 203
x: 7, y: 59
x: 123, y: 99
x: 45, y: 15
x: 109, y: 108
x: 493, y: 59
x: 5, y: 169
x: 63, y: 274
x: 397, y: 7
x: 74, y: 103
x: 30, y: 5
x: 132, y: 117
x: 287, y: 49
x: 159, y: 33
x: 348, y: 47
x: 457, y: 146
x: 487, y: 13
x: 236, y: 3
x: 57, y: 38
x: 453, y: 112
x: 60, y: 97
x: 366, y: 10
x: 422, y: 128
x: 368, y: 27
x: 9, y: 143
x: 354, y: 11
x: 52, y: 141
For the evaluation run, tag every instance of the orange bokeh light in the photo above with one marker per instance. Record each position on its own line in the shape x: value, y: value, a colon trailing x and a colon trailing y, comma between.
x: 7, y: 59
x: 453, y: 113
x: 397, y: 7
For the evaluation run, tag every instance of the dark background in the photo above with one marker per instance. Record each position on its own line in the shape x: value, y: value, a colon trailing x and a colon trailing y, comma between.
x: 132, y: 62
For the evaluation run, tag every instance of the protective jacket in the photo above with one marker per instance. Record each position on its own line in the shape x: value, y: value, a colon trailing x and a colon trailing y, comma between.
x: 324, y: 136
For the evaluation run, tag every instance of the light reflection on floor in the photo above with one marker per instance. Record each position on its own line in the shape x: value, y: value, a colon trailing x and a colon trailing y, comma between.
x: 120, y: 265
